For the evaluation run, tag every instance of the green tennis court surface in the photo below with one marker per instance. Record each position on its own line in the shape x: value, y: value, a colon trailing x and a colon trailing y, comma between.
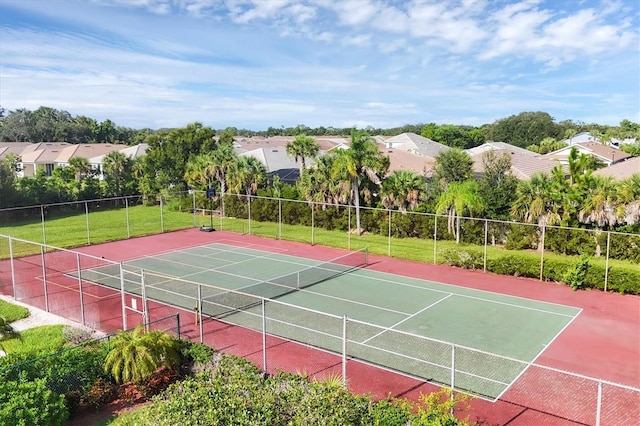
x: 479, y: 341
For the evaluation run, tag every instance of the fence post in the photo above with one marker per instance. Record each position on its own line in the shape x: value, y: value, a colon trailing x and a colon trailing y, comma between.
x: 126, y: 211
x: 44, y: 232
x: 599, y: 403
x: 544, y: 227
x: 486, y: 238
x: 279, y: 218
x: 249, y: 212
x: 195, y: 222
x: 606, y: 262
x: 453, y: 375
x: 86, y: 214
x: 389, y: 236
x: 123, y: 299
x: 161, y: 215
x: 344, y: 351
x: 143, y: 293
x: 349, y: 231
x: 264, y: 335
x: 13, y: 270
x: 200, y: 326
x: 312, y: 223
x: 44, y: 280
x: 82, y: 321
x: 435, y: 239
x: 178, y: 323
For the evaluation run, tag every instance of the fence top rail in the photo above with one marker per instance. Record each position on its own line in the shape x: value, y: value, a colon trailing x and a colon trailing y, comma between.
x: 54, y: 248
x: 498, y: 221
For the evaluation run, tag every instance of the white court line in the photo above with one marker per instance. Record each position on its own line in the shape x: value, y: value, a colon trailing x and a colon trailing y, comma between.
x: 474, y: 297
x: 409, y: 317
x: 539, y: 353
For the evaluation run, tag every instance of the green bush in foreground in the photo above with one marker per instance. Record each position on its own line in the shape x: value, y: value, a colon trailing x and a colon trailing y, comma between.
x: 11, y: 312
x: 234, y: 391
x: 30, y: 404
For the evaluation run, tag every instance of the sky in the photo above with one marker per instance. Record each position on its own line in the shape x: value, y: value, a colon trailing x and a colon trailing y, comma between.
x: 255, y: 64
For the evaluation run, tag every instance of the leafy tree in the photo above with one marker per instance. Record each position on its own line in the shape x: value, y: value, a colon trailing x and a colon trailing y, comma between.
x: 364, y: 165
x: 497, y: 186
x: 136, y: 355
x: 168, y: 154
x: 402, y: 189
x: 459, y: 197
x: 524, y: 129
x: 301, y: 148
x: 632, y: 149
x: 9, y: 195
x: 547, y: 145
x: 227, y: 136
x: 452, y: 166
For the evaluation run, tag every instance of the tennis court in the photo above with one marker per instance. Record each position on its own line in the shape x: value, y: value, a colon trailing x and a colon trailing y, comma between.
x: 479, y: 341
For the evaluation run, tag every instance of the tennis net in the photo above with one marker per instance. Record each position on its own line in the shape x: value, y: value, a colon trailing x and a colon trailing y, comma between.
x: 225, y: 303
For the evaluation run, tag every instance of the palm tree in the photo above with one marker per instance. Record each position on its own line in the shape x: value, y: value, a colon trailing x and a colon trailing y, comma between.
x: 116, y: 166
x: 223, y: 157
x: 402, y: 189
x: 358, y: 168
x: 456, y: 200
x: 247, y: 174
x: 199, y: 171
x: 535, y: 201
x: 600, y: 204
x: 315, y: 183
x: 136, y: 355
x: 301, y: 148
x: 629, y: 199
x: 81, y: 167
x: 7, y: 332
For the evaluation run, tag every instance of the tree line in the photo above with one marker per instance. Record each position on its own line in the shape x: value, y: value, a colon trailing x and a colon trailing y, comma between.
x: 526, y: 130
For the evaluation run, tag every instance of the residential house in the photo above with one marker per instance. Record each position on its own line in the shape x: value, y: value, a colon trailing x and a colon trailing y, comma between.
x: 608, y: 155
x: 131, y: 152
x: 278, y: 162
x: 523, y: 165
x: 89, y: 151
x: 503, y: 146
x: 37, y: 156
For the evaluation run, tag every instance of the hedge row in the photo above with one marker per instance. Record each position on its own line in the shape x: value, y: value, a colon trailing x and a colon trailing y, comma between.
x: 416, y: 225
x: 621, y: 277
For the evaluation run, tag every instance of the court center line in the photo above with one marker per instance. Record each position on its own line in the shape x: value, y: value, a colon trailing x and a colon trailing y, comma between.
x: 474, y: 297
x: 409, y: 317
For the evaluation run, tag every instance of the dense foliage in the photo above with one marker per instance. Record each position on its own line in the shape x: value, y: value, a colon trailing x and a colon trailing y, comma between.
x: 231, y: 390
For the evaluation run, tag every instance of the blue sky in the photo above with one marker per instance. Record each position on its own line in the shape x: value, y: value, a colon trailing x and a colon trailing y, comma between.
x: 258, y: 63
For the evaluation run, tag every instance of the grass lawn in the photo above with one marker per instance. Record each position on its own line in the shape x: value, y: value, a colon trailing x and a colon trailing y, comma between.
x: 11, y: 312
x: 42, y: 339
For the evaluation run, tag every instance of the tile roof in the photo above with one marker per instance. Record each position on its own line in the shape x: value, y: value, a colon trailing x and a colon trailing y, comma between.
x: 89, y: 150
x: 523, y: 165
x: 492, y: 146
x: 621, y: 170
x: 417, y: 144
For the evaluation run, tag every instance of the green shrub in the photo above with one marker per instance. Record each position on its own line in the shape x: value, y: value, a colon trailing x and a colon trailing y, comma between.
x: 30, y: 404
x: 576, y: 275
x: 468, y: 258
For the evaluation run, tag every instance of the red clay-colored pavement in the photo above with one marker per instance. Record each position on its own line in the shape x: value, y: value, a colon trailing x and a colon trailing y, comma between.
x: 602, y: 342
